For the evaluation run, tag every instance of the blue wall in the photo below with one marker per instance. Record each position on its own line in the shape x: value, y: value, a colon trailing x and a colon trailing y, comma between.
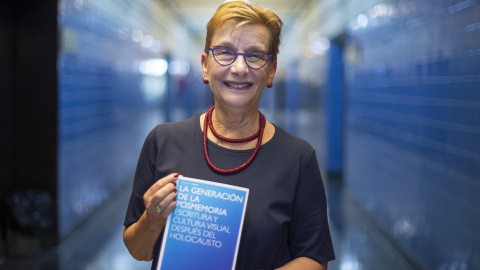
x: 333, y: 110
x: 412, y: 146
x: 107, y: 107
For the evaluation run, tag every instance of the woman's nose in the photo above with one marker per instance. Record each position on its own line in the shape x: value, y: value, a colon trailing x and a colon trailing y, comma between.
x: 239, y: 66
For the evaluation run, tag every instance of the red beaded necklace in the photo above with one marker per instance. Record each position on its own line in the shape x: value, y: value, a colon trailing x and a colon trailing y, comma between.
x: 208, y: 123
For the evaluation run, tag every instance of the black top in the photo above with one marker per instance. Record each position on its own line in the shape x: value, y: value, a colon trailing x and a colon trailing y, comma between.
x: 286, y: 215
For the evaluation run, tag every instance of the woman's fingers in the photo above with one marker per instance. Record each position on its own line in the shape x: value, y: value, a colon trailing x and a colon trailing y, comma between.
x: 166, y: 206
x: 171, y: 178
x: 160, y: 198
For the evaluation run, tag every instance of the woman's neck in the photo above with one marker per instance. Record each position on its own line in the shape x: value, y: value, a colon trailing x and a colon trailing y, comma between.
x: 234, y: 124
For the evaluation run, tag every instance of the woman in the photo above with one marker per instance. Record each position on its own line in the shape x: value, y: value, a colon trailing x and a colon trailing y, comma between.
x: 286, y: 224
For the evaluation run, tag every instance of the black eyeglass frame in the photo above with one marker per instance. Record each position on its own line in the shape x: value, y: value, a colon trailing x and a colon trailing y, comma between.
x: 236, y: 55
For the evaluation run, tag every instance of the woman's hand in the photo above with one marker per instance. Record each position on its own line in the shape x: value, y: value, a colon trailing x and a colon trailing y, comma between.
x: 159, y: 200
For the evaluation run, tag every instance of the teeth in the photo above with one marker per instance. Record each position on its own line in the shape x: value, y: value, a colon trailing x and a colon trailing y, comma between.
x: 237, y: 85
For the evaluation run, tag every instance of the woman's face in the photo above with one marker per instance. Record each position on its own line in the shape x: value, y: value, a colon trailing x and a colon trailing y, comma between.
x: 237, y: 85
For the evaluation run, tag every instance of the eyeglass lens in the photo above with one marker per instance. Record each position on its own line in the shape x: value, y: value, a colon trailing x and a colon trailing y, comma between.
x: 225, y: 56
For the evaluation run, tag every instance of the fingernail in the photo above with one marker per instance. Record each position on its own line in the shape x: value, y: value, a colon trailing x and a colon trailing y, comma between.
x: 175, y: 190
x: 174, y: 183
x: 175, y: 199
x: 176, y: 175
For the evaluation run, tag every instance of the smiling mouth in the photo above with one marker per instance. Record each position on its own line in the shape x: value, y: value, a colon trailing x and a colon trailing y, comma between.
x: 238, y: 85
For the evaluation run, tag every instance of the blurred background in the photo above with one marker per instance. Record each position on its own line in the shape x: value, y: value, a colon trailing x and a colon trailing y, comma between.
x: 387, y: 92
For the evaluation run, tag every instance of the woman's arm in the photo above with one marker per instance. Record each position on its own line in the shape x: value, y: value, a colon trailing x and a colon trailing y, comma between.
x: 140, y: 237
x: 310, y: 239
x: 304, y: 263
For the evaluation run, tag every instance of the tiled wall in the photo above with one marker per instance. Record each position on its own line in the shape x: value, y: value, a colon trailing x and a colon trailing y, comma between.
x: 412, y: 128
x: 106, y: 108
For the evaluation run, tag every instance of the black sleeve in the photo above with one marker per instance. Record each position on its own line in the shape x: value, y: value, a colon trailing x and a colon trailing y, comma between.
x: 144, y: 179
x: 309, y: 233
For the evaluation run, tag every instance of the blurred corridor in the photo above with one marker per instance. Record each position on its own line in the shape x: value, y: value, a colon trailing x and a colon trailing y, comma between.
x: 387, y: 92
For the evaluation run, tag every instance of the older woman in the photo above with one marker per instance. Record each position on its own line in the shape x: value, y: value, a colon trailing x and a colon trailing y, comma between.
x: 285, y: 224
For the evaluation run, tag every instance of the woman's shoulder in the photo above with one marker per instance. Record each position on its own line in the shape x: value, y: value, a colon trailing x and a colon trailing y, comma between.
x: 287, y: 145
x: 172, y: 126
x: 288, y: 140
x: 172, y: 129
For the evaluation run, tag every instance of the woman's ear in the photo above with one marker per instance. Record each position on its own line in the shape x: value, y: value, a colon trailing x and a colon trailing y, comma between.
x: 204, y: 65
x: 271, y: 74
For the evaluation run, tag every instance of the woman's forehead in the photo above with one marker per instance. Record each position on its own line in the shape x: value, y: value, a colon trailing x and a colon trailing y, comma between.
x: 247, y: 35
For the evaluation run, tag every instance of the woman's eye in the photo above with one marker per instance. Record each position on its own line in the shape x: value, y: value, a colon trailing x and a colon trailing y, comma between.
x: 224, y: 52
x: 256, y: 56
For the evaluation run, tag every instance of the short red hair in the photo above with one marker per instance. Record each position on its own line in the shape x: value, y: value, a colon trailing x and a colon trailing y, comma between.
x: 245, y: 13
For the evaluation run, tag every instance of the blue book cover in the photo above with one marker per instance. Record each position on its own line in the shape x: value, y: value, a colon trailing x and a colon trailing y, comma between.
x: 204, y: 229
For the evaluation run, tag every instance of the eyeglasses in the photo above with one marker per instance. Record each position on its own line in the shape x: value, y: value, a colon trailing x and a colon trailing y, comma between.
x: 225, y: 57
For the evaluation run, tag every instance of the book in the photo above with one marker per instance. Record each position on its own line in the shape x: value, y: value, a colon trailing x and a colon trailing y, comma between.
x: 204, y: 229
